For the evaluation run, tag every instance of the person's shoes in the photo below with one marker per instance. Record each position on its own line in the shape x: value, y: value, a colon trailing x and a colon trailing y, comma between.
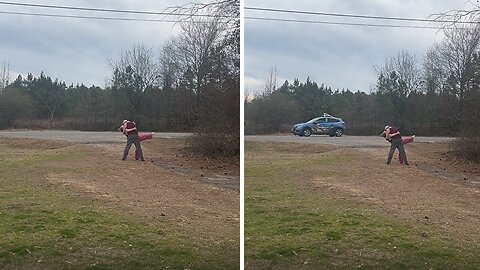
x: 142, y: 159
x: 388, y: 162
x: 123, y: 159
x: 406, y: 163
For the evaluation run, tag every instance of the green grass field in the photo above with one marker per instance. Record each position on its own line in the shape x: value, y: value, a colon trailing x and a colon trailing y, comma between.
x: 42, y: 227
x: 290, y: 224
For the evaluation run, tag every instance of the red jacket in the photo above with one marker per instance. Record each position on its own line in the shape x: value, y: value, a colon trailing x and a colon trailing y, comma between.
x: 394, y: 130
x: 130, y: 125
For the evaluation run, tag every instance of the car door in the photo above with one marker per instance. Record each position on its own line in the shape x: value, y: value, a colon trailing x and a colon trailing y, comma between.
x: 331, y: 122
x: 320, y: 125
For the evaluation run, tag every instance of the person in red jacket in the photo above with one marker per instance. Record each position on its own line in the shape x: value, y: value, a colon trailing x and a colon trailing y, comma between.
x: 141, y: 135
x: 392, y: 134
x: 130, y: 130
x: 405, y: 140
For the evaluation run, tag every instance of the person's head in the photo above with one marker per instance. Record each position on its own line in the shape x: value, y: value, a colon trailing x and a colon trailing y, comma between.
x: 386, y: 127
x: 124, y: 121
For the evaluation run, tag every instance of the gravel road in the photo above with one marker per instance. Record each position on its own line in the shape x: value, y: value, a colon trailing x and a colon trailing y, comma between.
x: 87, y: 137
x: 116, y: 137
x: 345, y: 140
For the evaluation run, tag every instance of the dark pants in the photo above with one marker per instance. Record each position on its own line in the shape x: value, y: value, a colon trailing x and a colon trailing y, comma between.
x: 397, y: 144
x: 133, y: 138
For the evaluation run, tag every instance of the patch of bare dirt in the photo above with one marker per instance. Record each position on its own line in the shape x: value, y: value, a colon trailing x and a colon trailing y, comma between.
x: 23, y: 143
x: 304, y: 148
x: 158, y: 193
x: 432, y: 191
x: 172, y: 154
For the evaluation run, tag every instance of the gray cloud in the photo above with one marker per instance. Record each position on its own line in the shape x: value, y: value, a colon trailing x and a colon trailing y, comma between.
x: 338, y: 56
x: 77, y: 50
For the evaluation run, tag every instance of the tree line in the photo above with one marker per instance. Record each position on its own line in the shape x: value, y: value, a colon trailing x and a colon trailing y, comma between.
x: 191, y: 84
x: 438, y: 97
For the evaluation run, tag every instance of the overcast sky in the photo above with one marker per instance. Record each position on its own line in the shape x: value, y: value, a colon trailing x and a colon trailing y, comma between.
x: 338, y: 56
x: 77, y: 50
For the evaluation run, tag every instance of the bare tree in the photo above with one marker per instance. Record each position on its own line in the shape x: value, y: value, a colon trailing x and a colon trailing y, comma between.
x: 208, y: 55
x: 434, y: 74
x: 227, y: 11
x: 170, y: 69
x: 459, y: 17
x: 271, y: 83
x: 142, y: 63
x: 456, y: 53
x: 192, y: 49
x: 406, y: 68
x: 4, y: 75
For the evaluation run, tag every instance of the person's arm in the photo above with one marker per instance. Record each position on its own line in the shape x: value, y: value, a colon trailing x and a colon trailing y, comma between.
x: 387, y: 133
x: 131, y: 129
x: 395, y: 134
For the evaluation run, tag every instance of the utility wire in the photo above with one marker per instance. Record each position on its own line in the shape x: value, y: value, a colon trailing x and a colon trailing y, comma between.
x: 355, y: 16
x: 246, y: 8
x: 107, y: 10
x: 206, y: 15
x: 87, y: 17
x: 342, y: 23
x: 246, y: 17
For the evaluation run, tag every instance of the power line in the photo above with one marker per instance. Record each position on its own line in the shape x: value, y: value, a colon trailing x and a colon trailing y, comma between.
x: 108, y: 10
x: 342, y: 23
x: 246, y: 17
x: 87, y: 17
x: 355, y: 16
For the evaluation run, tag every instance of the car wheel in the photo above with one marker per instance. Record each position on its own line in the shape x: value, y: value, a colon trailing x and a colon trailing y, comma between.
x: 307, y: 132
x: 338, y: 132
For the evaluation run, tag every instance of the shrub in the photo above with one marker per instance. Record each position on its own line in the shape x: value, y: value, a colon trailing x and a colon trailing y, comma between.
x: 215, y: 144
x: 468, y: 148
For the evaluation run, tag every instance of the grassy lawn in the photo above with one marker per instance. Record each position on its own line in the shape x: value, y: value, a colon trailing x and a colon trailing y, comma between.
x: 292, y: 224
x: 43, y: 227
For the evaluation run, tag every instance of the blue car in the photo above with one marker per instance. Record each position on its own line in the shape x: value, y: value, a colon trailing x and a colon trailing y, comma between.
x: 326, y: 124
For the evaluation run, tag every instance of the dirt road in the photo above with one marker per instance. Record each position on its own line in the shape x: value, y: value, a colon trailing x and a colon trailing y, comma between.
x: 115, y: 137
x: 79, y: 136
x: 348, y: 141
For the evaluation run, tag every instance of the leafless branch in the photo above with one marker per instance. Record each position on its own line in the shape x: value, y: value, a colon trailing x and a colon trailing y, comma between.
x: 458, y: 18
x: 227, y: 10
